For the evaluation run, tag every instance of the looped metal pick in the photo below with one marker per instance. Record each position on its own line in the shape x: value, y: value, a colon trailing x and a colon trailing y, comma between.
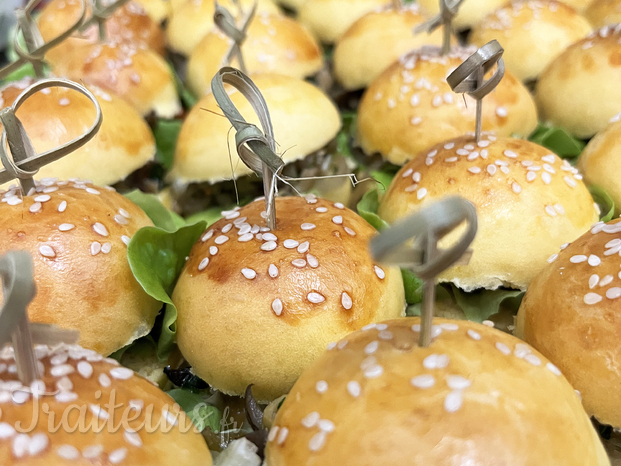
x: 469, y: 77
x: 101, y: 12
x: 23, y: 162
x: 19, y: 289
x: 256, y: 148
x: 423, y: 257
x: 448, y: 11
x: 226, y: 23
x: 36, y: 47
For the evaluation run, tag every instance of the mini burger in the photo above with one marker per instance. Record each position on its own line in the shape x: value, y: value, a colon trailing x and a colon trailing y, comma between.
x: 470, y: 12
x: 532, y: 34
x: 474, y: 396
x: 411, y: 107
x: 88, y: 410
x: 571, y: 314
x: 377, y: 40
x: 158, y: 10
x: 601, y: 13
x: 257, y: 306
x: 274, y: 44
x: 578, y: 90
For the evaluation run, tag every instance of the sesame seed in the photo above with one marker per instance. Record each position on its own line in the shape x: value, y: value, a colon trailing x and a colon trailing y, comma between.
x: 416, y: 121
x: 85, y: 369
x: 405, y: 174
x: 379, y: 272
x: 47, y: 251
x: 321, y: 386
x: 594, y: 261
x: 117, y: 456
x: 299, y: 263
x: 315, y: 298
x: 423, y: 381
x: 577, y: 259
x: 331, y: 346
x: 532, y: 359
x: 462, y: 152
x: 448, y: 98
x: 338, y: 220
x: 472, y: 156
x: 62, y: 370
x: 488, y: 323
x: 245, y: 238
x: 546, y: 177
x: 93, y: 451
x: 66, y: 397
x: 474, y: 170
x: 372, y: 347
x: 436, y: 101
x: 221, y: 239
x: 272, y: 433
x: 559, y: 208
x: 550, y: 211
x: 68, y: 452
x: 501, y: 112
x: 504, y: 349
x: 453, y: 401
x: 451, y: 159
x: 491, y: 169
x: 607, y: 280
x: 34, y: 208
x: 290, y: 244
x: 277, y: 306
x: 346, y: 301
x: 317, y: 442
x: 436, y: 361
x: 100, y: 229
x: 95, y: 248
x: 311, y: 419
x: 552, y: 368
x: 432, y: 153
x: 121, y: 373
x: 548, y: 168
x: 552, y: 258
x: 415, y: 100
x: 428, y: 161
x: 422, y: 192
x: 13, y: 200
x: 474, y: 335
x: 104, y: 380
x: 483, y: 143
x: 392, y: 103
x: 270, y: 237
x: 457, y: 382
x: 6, y: 431
x: 228, y: 227
x: 207, y: 236
x: 307, y: 226
x: 326, y: 425
x: 341, y: 344
x: 302, y: 248
x: 64, y: 102
x: 530, y: 176
x: 411, y: 188
x: 133, y: 438
x: 269, y: 246
x: 282, y: 435
x: 248, y: 273
x: 570, y: 182
x: 353, y: 388
x: 449, y: 145
x: 516, y: 187
x: 272, y: 270
x: 373, y: 371
x: 338, y: 205
x: 510, y: 154
x: 321, y: 210
x: 312, y: 261
x: 42, y: 198
x: 613, y: 293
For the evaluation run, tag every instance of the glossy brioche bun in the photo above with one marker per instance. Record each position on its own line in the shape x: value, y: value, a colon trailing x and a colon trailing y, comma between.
x: 303, y: 117
x: 136, y: 74
x: 377, y: 40
x: 125, y: 419
x: 571, y: 314
x: 158, y: 10
x: 68, y: 227
x: 604, y: 12
x: 329, y: 19
x: 474, y: 396
x: 194, y: 19
x: 528, y: 202
x: 411, y: 107
x: 533, y: 33
x: 274, y: 44
x: 579, y: 90
x: 123, y: 144
x: 129, y: 23
x: 471, y: 12
x: 241, y: 323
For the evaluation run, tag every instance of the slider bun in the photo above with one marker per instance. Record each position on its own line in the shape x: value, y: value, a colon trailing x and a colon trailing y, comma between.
x: 158, y: 10
x: 123, y: 144
x: 329, y: 19
x: 274, y: 44
x: 228, y: 327
x: 411, y: 107
x: 579, y: 90
x: 528, y: 203
x: 604, y: 12
x: 79, y: 285
x: 532, y: 33
x: 571, y: 314
x: 292, y: 4
x: 377, y: 40
x: 136, y: 74
x: 471, y: 12
x: 144, y: 427
x: 474, y: 396
x: 192, y: 20
x: 303, y: 117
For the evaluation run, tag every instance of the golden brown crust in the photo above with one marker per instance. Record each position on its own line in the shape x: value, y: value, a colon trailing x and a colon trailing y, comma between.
x: 274, y: 44
x: 533, y: 33
x: 79, y: 284
x: 87, y: 381
x: 529, y: 202
x: 411, y: 107
x: 303, y: 117
x: 492, y: 400
x: 587, y: 71
x: 377, y: 40
x: 571, y: 314
x: 603, y: 12
x: 326, y: 286
x: 123, y: 143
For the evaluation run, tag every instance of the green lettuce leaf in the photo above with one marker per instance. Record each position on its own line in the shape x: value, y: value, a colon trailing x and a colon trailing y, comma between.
x: 22, y: 72
x: 481, y: 304
x: 202, y: 414
x: 209, y: 216
x: 558, y: 140
x: 186, y: 96
x: 605, y: 202
x: 383, y: 178
x: 413, y: 287
x: 155, y: 210
x: 156, y: 257
x: 166, y: 133
x: 367, y: 209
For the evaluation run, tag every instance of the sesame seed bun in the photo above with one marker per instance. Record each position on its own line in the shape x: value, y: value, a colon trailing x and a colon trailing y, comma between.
x: 274, y: 44
x: 604, y: 12
x: 532, y: 33
x: 471, y: 12
x: 570, y: 314
x: 113, y: 405
x: 411, y: 107
x: 579, y: 91
x: 123, y: 143
x: 158, y: 10
x: 128, y: 24
x: 292, y: 4
x: 303, y: 117
x: 77, y: 234
x: 474, y: 396
x: 329, y: 19
x: 528, y: 202
x: 194, y: 19
x: 138, y: 75
x: 259, y: 309
x: 377, y: 40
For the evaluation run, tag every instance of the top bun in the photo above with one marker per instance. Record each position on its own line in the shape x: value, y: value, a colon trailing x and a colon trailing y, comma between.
x: 579, y: 90
x: 377, y: 40
x: 571, y: 314
x: 303, y: 117
x: 101, y: 414
x: 329, y: 19
x: 410, y: 106
x: 604, y: 12
x: 274, y: 44
x: 194, y: 19
x: 528, y: 202
x: 292, y: 4
x: 272, y: 300
x: 532, y: 33
x: 123, y: 144
x: 474, y: 396
x: 158, y: 10
x: 77, y: 234
x: 471, y: 12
